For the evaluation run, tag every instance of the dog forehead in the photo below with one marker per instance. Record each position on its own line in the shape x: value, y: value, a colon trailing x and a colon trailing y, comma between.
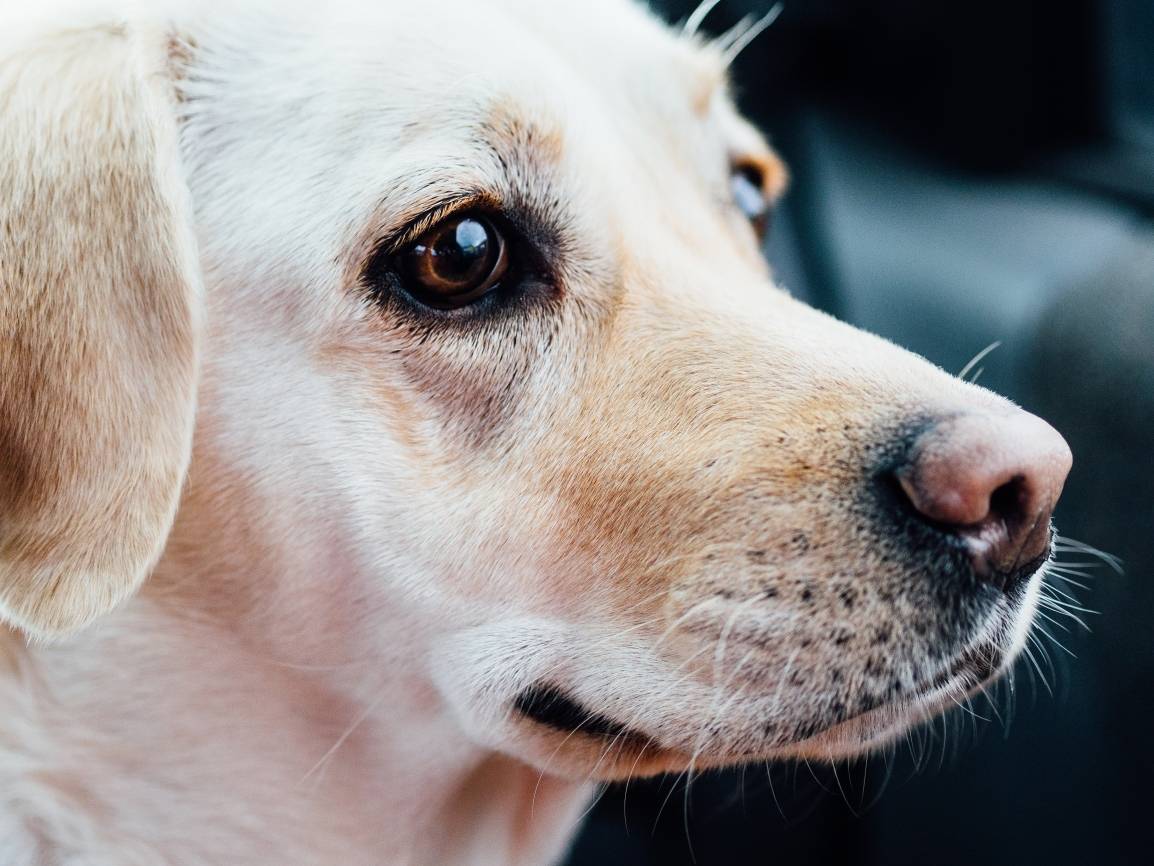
x: 622, y: 47
x: 620, y: 44
x: 443, y: 61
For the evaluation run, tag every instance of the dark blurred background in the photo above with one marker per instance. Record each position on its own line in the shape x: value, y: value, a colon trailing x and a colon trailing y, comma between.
x: 965, y: 173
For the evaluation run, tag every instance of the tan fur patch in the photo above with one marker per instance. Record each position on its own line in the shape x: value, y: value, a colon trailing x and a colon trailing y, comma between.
x: 98, y: 323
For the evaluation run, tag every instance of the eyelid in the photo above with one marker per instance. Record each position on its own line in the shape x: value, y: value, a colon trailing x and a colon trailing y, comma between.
x: 753, y: 171
x: 396, y: 242
x: 770, y: 169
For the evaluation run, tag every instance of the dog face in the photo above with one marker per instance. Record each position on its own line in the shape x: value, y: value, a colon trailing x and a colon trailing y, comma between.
x: 496, y: 387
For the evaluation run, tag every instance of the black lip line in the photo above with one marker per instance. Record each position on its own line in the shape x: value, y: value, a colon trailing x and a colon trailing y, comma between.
x: 549, y: 706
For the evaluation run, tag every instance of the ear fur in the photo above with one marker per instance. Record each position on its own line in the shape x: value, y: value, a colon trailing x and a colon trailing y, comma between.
x: 100, y: 308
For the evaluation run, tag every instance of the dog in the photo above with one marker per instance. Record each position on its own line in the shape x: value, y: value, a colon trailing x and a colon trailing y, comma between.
x: 401, y: 432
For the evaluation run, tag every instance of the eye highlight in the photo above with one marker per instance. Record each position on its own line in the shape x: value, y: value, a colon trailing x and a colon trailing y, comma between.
x: 456, y: 262
x: 747, y: 185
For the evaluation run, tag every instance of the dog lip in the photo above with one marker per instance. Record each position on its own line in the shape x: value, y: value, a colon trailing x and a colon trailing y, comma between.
x: 548, y: 705
x: 1015, y: 581
x: 975, y: 666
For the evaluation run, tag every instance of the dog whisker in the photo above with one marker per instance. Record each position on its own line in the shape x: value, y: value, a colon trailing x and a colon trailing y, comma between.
x: 1034, y: 644
x: 630, y: 725
x: 636, y: 718
x: 841, y: 789
x: 714, y: 713
x: 1066, y: 544
x: 672, y: 788
x: 700, y: 553
x: 541, y: 773
x: 945, y: 723
x: 1058, y: 609
x: 310, y: 668
x: 597, y: 796
x: 677, y: 622
x: 773, y: 791
x: 719, y: 652
x: 625, y: 794
x: 1069, y: 609
x: 647, y: 600
x: 967, y: 708
x: 1055, y: 640
x: 359, y: 719
x: 1069, y: 581
x: 750, y: 32
x: 1055, y: 591
x: 1080, y: 569
x: 887, y: 757
x: 977, y: 359
x: 1053, y: 622
x: 1011, y: 689
x: 697, y: 17
x: 992, y: 703
x: 723, y: 42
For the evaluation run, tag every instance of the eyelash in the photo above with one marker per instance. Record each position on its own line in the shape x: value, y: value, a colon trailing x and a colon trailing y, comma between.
x: 394, y: 243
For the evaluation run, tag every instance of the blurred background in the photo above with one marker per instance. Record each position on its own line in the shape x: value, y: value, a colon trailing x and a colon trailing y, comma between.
x: 964, y: 174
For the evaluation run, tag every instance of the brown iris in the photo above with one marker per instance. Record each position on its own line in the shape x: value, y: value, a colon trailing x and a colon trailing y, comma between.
x: 456, y: 262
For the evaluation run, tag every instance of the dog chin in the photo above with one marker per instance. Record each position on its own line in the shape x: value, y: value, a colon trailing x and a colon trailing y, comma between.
x: 592, y: 746
x: 878, y: 728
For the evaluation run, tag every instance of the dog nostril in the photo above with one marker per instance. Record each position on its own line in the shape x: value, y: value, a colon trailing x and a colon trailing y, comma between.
x: 1010, y: 501
x: 992, y: 482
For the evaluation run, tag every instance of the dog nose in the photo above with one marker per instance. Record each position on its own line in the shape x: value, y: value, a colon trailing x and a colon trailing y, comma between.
x: 992, y: 481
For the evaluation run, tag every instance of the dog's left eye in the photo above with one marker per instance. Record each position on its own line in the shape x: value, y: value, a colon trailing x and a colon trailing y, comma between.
x: 456, y: 262
x: 747, y: 184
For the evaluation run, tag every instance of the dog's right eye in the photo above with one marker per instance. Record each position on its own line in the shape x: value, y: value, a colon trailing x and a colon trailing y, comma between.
x: 747, y: 183
x: 456, y: 262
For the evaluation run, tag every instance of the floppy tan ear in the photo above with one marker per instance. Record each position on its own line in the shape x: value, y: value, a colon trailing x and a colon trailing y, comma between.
x: 99, y: 315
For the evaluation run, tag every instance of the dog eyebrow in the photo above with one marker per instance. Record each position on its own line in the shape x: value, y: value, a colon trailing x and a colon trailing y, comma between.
x: 516, y: 138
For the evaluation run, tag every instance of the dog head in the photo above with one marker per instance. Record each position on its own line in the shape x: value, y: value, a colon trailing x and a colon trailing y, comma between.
x: 496, y: 386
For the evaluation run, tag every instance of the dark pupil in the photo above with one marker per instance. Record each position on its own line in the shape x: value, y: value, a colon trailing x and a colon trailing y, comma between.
x: 459, y: 256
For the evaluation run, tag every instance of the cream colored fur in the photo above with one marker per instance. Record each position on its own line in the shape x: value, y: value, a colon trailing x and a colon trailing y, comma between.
x: 94, y: 455
x: 636, y: 491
